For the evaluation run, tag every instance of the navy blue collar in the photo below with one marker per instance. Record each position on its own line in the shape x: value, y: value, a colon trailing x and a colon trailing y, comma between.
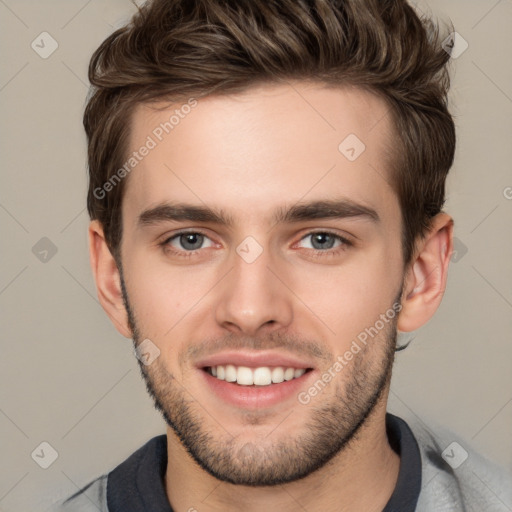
x: 408, y: 485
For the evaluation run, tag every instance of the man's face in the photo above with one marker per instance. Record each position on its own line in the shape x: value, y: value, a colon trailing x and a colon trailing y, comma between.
x: 284, y: 288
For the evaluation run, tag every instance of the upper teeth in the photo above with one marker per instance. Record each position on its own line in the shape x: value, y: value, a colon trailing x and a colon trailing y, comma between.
x: 262, y: 376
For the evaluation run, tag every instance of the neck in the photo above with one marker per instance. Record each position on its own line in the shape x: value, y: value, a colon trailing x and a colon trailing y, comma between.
x: 361, y: 477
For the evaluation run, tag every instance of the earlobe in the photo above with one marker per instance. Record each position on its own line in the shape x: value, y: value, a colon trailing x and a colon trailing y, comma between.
x: 107, y: 278
x: 426, y: 277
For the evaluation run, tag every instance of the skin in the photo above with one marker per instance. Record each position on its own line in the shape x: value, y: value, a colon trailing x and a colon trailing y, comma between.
x: 249, y: 154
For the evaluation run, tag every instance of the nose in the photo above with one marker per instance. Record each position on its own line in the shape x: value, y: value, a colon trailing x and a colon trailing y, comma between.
x: 253, y: 297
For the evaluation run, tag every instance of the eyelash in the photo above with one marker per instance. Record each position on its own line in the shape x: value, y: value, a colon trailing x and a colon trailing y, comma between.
x: 317, y: 253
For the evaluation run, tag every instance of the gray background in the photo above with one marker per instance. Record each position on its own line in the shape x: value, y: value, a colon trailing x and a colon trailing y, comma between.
x: 67, y: 376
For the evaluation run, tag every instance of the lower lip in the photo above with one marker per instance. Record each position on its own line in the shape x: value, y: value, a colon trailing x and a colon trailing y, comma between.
x: 256, y: 397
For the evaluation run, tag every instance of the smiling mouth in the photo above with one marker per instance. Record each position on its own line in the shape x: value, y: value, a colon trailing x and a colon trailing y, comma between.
x: 260, y: 376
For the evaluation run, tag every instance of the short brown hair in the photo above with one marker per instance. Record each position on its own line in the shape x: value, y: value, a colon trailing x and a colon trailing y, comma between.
x: 177, y: 49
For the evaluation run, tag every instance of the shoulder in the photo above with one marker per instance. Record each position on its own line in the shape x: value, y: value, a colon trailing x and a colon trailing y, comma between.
x: 455, y: 476
x: 91, y: 498
x: 147, y: 463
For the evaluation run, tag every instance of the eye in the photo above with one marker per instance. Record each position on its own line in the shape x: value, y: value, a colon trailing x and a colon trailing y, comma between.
x: 325, y: 241
x: 187, y: 241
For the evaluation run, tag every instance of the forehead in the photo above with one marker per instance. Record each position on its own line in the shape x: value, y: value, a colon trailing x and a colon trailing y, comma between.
x: 252, y: 152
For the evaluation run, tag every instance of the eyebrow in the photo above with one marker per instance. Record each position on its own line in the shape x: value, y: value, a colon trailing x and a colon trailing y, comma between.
x: 327, y: 209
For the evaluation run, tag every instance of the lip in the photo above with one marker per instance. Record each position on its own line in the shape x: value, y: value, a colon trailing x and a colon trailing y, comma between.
x: 256, y: 397
x: 254, y: 360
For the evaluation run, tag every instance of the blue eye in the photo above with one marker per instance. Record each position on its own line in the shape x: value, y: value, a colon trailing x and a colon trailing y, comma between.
x: 324, y: 241
x: 188, y: 241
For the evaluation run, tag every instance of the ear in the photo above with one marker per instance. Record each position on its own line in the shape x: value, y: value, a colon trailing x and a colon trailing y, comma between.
x: 108, y: 280
x: 425, y: 281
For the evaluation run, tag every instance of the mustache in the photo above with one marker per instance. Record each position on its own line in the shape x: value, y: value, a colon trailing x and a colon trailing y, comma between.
x: 289, y: 343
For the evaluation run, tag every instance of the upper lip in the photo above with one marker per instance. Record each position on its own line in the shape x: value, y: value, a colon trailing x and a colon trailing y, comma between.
x: 254, y: 360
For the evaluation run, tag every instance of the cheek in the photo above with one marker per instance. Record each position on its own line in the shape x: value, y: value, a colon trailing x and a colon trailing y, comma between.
x: 169, y: 301
x: 349, y: 297
x: 166, y: 304
x: 162, y: 295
